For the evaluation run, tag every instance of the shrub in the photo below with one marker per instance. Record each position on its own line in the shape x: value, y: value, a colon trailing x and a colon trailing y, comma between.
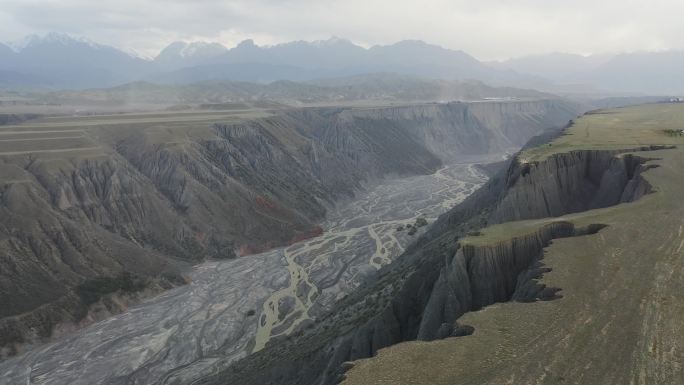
x: 92, y: 290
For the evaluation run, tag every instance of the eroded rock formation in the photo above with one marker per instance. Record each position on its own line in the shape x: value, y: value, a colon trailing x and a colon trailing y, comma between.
x: 149, y: 199
x: 424, y: 292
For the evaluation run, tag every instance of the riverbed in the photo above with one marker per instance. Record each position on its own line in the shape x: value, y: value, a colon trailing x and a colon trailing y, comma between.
x: 233, y: 308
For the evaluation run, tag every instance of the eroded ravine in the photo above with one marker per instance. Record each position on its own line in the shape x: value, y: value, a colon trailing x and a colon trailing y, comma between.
x: 232, y: 308
x: 366, y: 230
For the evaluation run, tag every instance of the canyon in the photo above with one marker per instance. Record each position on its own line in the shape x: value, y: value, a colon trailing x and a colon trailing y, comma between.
x: 602, y: 294
x: 127, y: 203
x: 453, y: 269
x: 233, y: 193
x: 231, y: 308
x: 220, y: 247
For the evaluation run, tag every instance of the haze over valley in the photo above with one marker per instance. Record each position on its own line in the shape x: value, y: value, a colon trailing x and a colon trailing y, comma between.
x: 57, y: 61
x: 458, y: 193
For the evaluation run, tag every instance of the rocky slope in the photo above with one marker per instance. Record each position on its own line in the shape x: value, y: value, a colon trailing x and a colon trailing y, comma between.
x: 572, y: 182
x: 86, y: 200
x: 232, y: 307
x: 477, y: 276
x: 439, y: 279
x: 617, y: 318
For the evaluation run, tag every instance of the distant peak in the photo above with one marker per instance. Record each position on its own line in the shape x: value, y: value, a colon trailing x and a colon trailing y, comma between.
x: 185, y: 49
x: 420, y: 44
x: 55, y: 38
x: 176, y: 45
x: 201, y: 47
x: 412, y: 42
x: 20, y: 44
x: 334, y: 40
x: 248, y: 43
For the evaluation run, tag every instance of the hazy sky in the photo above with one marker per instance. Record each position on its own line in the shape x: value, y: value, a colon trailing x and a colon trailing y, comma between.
x: 487, y: 29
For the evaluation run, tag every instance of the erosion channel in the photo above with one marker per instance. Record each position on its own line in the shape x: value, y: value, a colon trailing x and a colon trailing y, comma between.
x: 232, y: 308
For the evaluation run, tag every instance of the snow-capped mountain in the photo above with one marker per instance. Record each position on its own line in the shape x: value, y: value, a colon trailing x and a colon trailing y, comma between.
x: 51, y: 38
x: 65, y: 61
x: 181, y: 54
x: 62, y: 61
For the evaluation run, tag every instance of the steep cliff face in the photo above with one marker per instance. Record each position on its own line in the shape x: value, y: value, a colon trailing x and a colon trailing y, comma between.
x: 436, y: 281
x: 480, y: 275
x: 65, y: 223
x: 458, y: 129
x: 619, y: 319
x: 571, y: 182
x: 565, y: 183
x: 147, y: 198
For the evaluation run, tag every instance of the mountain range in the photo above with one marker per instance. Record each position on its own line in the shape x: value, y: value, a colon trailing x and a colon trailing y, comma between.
x: 59, y: 61
x: 226, y: 93
x: 642, y: 72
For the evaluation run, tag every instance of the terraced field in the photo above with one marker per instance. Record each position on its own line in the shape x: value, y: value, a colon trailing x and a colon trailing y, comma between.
x: 86, y: 136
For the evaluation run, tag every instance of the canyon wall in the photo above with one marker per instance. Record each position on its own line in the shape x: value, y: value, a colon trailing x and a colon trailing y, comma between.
x: 571, y: 182
x: 423, y: 293
x: 151, y: 199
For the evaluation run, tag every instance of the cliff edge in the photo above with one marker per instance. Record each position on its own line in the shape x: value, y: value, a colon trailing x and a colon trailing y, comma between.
x: 598, y: 306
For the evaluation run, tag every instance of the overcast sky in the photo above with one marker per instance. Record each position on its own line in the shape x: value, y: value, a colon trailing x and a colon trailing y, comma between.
x: 487, y: 29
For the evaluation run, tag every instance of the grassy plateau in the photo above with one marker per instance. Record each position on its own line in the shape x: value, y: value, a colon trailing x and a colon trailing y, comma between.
x: 619, y: 318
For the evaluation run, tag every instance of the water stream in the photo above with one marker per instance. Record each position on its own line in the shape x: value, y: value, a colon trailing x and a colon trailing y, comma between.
x: 232, y: 308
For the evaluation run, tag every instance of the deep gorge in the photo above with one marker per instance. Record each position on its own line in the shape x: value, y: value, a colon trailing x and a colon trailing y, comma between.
x: 152, y: 203
x: 437, y: 280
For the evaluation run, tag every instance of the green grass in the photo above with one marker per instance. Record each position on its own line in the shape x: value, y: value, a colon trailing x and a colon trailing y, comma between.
x: 621, y: 128
x: 619, y: 318
x: 618, y: 128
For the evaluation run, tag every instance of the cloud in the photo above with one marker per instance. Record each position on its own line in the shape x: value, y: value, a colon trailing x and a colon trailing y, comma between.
x: 488, y: 29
